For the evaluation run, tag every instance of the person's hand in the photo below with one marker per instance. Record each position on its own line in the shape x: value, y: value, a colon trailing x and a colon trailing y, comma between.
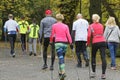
x: 71, y: 46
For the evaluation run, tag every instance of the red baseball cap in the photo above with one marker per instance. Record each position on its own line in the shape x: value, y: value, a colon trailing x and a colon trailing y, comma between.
x: 47, y: 12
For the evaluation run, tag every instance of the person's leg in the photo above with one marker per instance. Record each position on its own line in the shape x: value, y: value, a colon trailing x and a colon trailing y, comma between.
x: 14, y: 39
x: 112, y: 53
x: 93, y: 57
x: 103, y: 58
x: 34, y: 46
x: 11, y: 44
x: 61, y: 49
x: 46, y: 43
x: 115, y: 50
x: 84, y: 51
x: 30, y: 46
x: 77, y: 45
x: 52, y: 55
x: 24, y: 42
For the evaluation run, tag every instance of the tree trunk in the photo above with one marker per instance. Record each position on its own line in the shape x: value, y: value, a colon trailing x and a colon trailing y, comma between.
x: 110, y: 10
x: 68, y: 9
x: 95, y: 8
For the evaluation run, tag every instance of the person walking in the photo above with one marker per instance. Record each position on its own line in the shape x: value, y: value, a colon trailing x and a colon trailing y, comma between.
x: 112, y: 35
x: 61, y: 36
x: 45, y: 28
x: 95, y: 31
x: 79, y: 32
x: 33, y: 36
x: 23, y: 29
x: 11, y: 27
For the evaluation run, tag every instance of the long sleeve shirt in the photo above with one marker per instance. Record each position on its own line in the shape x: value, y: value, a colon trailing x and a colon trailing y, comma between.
x: 95, y: 31
x: 46, y: 26
x: 61, y: 33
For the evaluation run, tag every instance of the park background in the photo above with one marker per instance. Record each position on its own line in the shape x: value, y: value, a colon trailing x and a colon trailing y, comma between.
x: 69, y: 8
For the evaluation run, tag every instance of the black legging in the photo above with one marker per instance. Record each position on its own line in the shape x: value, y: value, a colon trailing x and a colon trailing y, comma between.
x: 101, y: 46
x: 46, y: 44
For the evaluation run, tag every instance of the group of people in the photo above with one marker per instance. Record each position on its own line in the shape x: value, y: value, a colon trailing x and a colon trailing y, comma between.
x: 56, y: 33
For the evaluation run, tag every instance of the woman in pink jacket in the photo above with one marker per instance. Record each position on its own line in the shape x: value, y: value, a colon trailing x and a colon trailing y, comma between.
x: 95, y: 31
x: 61, y: 36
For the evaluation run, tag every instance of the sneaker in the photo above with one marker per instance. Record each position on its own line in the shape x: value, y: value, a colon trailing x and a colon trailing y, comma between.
x: 93, y: 75
x: 35, y: 54
x: 113, y: 68
x: 103, y: 76
x: 79, y: 65
x: 13, y: 55
x: 30, y: 54
x: 62, y: 76
x: 87, y: 63
x: 51, y: 67
x: 44, y: 66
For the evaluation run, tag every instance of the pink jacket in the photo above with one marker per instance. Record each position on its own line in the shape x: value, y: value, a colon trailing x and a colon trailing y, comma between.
x: 61, y: 33
x: 95, y: 30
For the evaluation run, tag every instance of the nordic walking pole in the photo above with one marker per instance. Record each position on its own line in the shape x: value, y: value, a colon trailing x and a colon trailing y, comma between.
x: 72, y: 51
x: 52, y: 52
x: 5, y: 40
x: 88, y: 51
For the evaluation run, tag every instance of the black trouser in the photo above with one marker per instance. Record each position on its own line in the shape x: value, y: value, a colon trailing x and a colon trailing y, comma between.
x: 81, y: 48
x: 23, y: 42
x: 101, y: 46
x: 46, y: 44
x: 12, y: 39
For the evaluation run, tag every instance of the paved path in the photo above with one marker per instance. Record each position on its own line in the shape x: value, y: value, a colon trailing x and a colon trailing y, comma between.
x: 29, y: 68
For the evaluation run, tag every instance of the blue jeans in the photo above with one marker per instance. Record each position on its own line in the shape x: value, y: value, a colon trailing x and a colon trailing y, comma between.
x: 113, y: 48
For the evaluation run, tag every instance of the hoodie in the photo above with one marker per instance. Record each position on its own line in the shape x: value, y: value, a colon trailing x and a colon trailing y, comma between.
x: 115, y: 34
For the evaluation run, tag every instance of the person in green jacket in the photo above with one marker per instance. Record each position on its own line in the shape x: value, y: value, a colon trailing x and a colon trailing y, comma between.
x: 33, y: 36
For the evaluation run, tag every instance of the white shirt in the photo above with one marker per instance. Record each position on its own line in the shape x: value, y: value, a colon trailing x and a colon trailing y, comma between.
x: 11, y: 25
x: 80, y: 26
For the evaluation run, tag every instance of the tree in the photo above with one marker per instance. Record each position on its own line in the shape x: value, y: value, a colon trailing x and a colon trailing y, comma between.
x: 110, y: 10
x: 95, y: 8
x: 68, y: 9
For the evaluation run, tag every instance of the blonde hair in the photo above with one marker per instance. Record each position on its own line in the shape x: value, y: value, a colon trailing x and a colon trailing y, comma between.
x: 59, y: 17
x: 79, y: 16
x: 10, y: 15
x: 95, y: 17
x: 111, y: 22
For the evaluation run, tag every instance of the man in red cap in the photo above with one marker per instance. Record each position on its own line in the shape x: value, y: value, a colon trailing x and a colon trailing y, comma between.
x: 45, y: 28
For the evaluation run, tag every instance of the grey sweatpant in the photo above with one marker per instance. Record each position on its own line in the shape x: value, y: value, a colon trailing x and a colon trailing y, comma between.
x: 32, y: 45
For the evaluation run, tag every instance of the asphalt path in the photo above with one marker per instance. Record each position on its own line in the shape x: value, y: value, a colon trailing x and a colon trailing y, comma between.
x: 25, y: 67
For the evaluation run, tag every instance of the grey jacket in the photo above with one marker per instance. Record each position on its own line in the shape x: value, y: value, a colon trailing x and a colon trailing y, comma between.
x: 46, y: 26
x: 114, y: 36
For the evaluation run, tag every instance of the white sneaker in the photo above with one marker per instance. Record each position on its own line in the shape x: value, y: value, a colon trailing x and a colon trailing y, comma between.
x: 13, y: 55
x: 93, y: 75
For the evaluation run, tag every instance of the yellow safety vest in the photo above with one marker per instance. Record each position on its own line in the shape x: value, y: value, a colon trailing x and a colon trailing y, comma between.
x: 23, y: 27
x: 34, y: 29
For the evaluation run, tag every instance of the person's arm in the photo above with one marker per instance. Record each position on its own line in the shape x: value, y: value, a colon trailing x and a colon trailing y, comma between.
x: 73, y: 36
x: 68, y: 35
x: 118, y: 30
x: 105, y: 32
x: 41, y: 31
x: 5, y: 31
x: 89, y: 36
x: 52, y: 36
